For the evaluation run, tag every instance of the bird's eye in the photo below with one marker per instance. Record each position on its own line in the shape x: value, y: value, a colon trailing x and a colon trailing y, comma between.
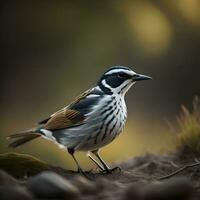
x: 122, y: 75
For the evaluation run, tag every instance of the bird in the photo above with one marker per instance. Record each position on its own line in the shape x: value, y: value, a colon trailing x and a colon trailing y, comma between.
x: 93, y: 120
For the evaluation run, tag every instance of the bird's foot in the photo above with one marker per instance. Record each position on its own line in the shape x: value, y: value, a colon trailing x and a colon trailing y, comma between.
x: 86, y: 174
x: 111, y: 170
x: 80, y: 171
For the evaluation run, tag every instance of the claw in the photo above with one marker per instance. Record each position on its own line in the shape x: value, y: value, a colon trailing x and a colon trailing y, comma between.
x: 85, y: 173
x: 111, y: 170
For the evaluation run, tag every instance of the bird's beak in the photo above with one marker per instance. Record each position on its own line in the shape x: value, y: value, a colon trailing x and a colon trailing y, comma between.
x: 140, y: 77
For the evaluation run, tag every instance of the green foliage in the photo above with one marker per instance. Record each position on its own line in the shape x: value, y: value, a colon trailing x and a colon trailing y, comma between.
x: 189, y: 124
x: 21, y: 165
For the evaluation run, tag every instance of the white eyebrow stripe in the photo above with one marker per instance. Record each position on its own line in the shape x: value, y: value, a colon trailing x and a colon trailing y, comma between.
x: 120, y: 70
x: 106, y: 85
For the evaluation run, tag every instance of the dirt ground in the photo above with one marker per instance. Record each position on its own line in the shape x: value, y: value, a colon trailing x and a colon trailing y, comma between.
x: 140, y: 178
x: 145, y: 178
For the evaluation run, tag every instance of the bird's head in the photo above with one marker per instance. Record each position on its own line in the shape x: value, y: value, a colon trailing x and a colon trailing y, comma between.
x: 119, y: 79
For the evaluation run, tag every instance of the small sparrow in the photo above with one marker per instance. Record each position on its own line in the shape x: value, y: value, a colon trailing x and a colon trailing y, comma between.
x: 92, y: 121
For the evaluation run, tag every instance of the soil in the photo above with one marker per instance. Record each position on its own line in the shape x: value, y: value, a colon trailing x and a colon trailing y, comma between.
x: 140, y: 178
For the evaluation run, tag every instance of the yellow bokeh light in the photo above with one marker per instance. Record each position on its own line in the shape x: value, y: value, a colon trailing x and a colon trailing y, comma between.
x: 150, y: 27
x: 189, y: 9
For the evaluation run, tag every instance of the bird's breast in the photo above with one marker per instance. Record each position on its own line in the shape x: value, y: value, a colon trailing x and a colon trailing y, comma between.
x: 113, y: 119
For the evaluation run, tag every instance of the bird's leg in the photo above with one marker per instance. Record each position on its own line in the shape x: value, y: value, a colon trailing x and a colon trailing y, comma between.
x: 95, y: 161
x: 107, y: 169
x: 71, y: 152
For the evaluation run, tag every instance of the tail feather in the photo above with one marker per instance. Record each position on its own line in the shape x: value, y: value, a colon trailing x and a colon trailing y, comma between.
x: 23, y: 133
x: 22, y: 140
x: 23, y: 137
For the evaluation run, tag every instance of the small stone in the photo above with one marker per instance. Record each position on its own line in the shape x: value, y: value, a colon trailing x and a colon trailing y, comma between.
x: 5, y: 179
x: 174, y: 189
x: 85, y: 186
x: 21, y: 165
x: 53, y: 186
x: 10, y: 192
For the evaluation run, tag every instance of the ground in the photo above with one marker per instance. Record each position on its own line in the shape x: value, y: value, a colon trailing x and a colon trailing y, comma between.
x: 140, y: 178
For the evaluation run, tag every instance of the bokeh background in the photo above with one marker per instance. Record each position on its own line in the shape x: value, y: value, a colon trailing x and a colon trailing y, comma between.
x: 54, y: 50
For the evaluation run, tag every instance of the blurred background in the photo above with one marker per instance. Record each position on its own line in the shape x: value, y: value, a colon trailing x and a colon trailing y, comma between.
x: 54, y: 50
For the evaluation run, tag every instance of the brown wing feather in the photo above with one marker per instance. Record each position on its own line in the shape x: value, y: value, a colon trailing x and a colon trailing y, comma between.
x: 64, y: 119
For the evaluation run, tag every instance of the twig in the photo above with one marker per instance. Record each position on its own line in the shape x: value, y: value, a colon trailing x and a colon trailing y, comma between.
x: 179, y: 170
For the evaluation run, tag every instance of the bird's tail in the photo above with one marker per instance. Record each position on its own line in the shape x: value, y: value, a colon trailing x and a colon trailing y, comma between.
x: 21, y: 138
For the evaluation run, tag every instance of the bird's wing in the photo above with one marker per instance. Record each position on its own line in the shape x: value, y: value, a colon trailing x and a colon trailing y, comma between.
x: 65, y: 118
x: 72, y: 115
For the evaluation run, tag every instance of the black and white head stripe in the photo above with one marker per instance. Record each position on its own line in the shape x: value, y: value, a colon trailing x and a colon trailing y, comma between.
x: 119, y: 70
x: 114, y: 78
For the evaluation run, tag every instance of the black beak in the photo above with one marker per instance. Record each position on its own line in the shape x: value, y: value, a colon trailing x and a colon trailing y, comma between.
x: 140, y: 77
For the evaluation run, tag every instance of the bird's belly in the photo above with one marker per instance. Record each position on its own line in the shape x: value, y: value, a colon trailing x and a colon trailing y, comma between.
x: 105, y: 136
x: 82, y: 140
x: 98, y: 131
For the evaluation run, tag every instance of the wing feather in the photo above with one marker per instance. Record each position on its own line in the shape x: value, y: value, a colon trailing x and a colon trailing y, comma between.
x: 66, y: 117
x: 74, y: 114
